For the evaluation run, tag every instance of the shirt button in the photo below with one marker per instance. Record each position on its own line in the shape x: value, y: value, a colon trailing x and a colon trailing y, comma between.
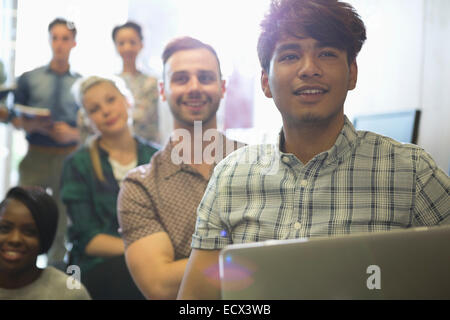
x: 304, y: 183
x: 285, y: 159
x: 297, y: 225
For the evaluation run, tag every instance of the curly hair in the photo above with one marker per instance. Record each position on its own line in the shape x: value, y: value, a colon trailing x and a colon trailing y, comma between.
x: 330, y: 22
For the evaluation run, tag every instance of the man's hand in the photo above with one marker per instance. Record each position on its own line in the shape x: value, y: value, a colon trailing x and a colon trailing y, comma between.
x: 3, y: 113
x: 63, y: 133
x: 41, y: 125
x: 201, y: 279
x: 17, y: 123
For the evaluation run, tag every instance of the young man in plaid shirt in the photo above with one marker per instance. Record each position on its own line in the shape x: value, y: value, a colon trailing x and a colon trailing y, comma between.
x: 323, y: 178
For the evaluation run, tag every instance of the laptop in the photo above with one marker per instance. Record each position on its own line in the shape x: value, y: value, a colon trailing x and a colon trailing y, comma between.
x: 401, y: 264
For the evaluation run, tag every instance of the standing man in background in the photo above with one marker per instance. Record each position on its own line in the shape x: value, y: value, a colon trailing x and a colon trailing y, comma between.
x: 50, y: 138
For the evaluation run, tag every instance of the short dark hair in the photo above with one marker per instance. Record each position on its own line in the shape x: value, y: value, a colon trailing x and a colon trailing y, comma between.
x: 187, y: 43
x: 69, y: 24
x: 129, y: 24
x: 43, y: 209
x: 331, y: 22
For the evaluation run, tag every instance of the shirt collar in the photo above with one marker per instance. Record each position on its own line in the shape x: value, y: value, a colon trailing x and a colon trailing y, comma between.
x: 69, y: 72
x: 345, y: 142
x: 166, y: 166
x: 131, y: 75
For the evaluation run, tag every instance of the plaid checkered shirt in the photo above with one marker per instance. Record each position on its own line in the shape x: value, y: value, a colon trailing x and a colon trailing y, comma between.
x: 365, y: 183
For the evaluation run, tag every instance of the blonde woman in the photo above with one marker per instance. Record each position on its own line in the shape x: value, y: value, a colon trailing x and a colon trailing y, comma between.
x: 91, y: 180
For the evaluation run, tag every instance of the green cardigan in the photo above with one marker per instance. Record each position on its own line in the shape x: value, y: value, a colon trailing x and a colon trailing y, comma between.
x: 91, y: 204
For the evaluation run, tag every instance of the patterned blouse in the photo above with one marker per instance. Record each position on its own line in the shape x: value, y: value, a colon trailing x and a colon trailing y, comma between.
x: 145, y: 113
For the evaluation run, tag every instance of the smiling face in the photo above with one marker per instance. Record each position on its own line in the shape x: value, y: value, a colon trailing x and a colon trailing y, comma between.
x: 107, y: 108
x: 128, y: 44
x: 19, y: 238
x: 308, y: 81
x: 192, y: 87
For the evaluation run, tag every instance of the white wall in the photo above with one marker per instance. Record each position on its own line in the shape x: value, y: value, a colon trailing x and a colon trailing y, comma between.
x: 390, y: 61
x: 405, y: 65
x: 434, y: 133
x: 94, y: 20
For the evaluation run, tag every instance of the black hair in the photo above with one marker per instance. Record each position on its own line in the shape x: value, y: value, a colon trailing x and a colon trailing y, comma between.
x: 43, y: 208
x: 331, y: 22
x: 69, y: 24
x: 187, y: 43
x: 129, y: 24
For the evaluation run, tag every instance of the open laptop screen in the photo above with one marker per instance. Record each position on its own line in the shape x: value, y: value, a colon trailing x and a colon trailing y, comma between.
x: 406, y: 264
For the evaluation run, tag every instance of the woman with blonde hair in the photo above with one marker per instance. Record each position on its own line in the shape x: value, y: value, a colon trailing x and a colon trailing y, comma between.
x: 91, y: 181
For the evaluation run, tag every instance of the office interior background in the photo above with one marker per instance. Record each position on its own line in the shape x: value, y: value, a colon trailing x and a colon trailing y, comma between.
x: 404, y: 64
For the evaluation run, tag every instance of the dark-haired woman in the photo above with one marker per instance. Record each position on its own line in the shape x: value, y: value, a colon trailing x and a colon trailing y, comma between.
x: 28, y: 220
x: 128, y: 40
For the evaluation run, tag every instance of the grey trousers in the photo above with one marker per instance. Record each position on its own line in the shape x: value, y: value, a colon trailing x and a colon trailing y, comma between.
x: 42, y: 166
